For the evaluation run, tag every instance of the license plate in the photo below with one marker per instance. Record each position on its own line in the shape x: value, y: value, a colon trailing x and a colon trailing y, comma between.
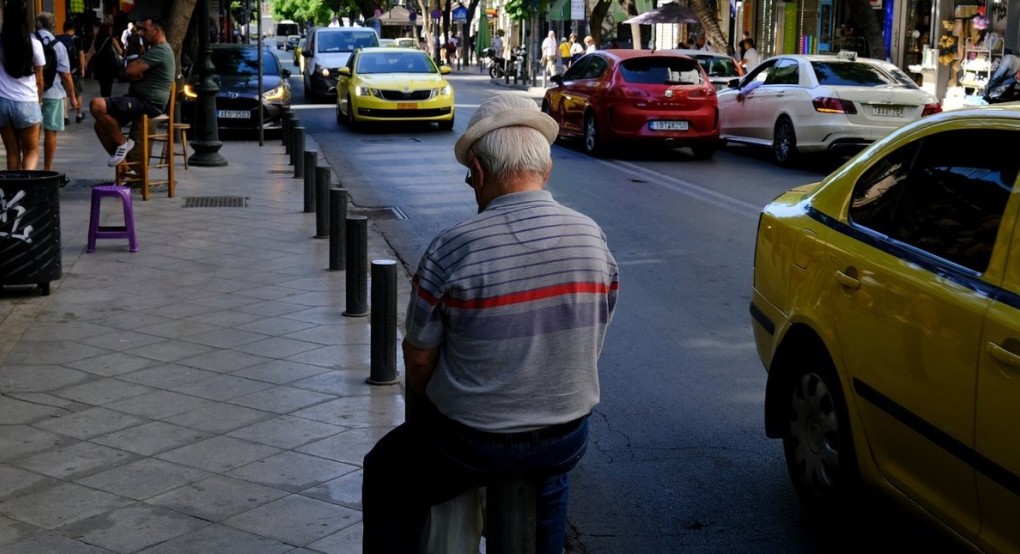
x: 407, y: 106
x: 233, y: 114
x: 668, y: 125
x: 887, y: 111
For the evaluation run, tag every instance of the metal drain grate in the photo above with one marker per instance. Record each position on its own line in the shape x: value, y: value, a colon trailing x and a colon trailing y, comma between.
x: 379, y: 214
x: 216, y: 202
x: 385, y: 140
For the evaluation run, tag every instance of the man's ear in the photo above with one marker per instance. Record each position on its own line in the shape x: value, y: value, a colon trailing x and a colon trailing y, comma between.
x: 477, y: 174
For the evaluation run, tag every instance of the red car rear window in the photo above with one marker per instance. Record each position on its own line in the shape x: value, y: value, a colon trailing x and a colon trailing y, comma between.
x: 661, y: 71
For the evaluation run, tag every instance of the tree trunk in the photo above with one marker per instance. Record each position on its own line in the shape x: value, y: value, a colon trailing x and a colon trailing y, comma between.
x: 598, y: 15
x: 177, y: 15
x: 629, y: 7
x: 866, y: 19
x: 710, y: 23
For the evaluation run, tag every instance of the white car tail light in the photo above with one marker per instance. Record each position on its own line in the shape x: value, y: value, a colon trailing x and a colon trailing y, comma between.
x: 833, y: 105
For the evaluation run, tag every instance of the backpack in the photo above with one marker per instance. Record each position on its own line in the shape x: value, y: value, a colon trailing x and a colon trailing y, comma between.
x: 70, y: 44
x: 50, y: 70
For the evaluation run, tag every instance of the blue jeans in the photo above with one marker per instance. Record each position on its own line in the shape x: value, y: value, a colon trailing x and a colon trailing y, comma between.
x: 431, y: 459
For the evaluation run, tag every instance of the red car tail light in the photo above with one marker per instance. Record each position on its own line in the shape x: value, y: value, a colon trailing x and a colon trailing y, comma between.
x: 930, y: 109
x: 833, y: 105
x: 628, y: 92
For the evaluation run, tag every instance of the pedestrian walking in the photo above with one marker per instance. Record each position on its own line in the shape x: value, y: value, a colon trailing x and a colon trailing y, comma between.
x: 495, y: 302
x: 550, y: 52
x: 564, y: 53
x: 21, y: 87
x: 76, y: 59
x: 104, y: 59
x: 589, y: 44
x: 54, y: 96
x: 576, y: 50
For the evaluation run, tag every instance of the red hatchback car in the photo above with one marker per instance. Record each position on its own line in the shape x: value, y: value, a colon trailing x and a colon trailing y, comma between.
x: 655, y: 97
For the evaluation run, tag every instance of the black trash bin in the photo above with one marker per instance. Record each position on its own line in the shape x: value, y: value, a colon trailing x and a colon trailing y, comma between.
x: 30, y: 228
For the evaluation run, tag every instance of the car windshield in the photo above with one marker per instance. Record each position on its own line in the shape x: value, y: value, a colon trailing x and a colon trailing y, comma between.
x: 242, y: 61
x: 717, y: 66
x: 395, y: 62
x: 661, y: 71
x: 852, y: 74
x: 346, y: 41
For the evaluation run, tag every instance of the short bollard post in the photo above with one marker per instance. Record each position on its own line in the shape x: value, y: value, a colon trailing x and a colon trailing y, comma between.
x: 322, y: 185
x: 311, y: 159
x: 357, y: 262
x: 299, y: 148
x: 384, y: 323
x: 288, y: 128
x: 510, y: 516
x: 337, y: 219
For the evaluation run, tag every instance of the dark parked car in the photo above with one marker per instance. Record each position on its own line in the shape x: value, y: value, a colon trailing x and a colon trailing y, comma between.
x: 236, y: 74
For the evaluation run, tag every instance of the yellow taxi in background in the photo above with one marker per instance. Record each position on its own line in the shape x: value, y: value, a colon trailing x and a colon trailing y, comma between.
x: 393, y: 84
x: 886, y: 310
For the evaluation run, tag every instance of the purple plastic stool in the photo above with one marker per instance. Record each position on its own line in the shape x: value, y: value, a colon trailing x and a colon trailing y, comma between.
x: 126, y: 231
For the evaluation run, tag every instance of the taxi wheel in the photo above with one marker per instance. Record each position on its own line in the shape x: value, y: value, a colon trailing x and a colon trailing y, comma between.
x: 784, y: 142
x: 352, y: 123
x: 819, y: 446
x: 446, y: 125
x: 592, y: 142
x: 339, y: 115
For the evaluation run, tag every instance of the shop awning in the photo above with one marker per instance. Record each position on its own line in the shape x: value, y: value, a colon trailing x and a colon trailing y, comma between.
x: 559, y: 11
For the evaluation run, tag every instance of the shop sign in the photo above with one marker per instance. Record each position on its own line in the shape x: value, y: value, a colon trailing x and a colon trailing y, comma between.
x: 460, y: 15
x: 577, y: 10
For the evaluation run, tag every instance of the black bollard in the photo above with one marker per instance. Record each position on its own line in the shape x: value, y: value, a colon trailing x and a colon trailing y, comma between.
x: 337, y: 219
x: 357, y: 260
x: 287, y: 133
x: 311, y: 159
x: 296, y: 156
x: 384, y: 323
x: 322, y: 186
x: 510, y: 516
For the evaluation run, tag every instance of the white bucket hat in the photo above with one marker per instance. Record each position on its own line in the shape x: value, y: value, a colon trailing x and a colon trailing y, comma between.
x: 504, y: 110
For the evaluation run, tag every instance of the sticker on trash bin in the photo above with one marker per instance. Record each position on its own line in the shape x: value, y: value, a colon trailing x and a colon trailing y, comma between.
x: 10, y: 217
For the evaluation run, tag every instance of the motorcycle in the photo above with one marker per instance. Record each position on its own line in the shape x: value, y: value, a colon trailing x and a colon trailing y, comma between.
x: 497, y: 65
x: 1007, y: 90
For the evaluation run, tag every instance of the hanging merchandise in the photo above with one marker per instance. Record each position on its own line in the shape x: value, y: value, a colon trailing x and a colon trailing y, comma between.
x: 127, y: 5
x: 77, y: 6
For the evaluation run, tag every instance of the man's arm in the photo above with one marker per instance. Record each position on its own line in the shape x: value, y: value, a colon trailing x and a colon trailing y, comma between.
x: 419, y: 363
x: 65, y: 78
x: 136, y: 69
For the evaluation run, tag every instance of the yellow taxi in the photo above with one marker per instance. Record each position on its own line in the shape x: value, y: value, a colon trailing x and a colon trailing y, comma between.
x: 393, y: 84
x: 886, y: 310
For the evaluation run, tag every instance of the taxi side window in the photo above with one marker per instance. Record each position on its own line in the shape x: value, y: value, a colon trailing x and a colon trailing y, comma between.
x: 785, y: 73
x: 944, y: 194
x: 759, y: 74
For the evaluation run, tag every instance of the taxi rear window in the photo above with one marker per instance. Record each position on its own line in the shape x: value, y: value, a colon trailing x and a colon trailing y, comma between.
x: 851, y: 74
x: 661, y: 71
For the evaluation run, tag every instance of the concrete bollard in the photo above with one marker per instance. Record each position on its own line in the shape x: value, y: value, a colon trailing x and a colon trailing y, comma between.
x: 299, y: 148
x: 337, y: 220
x: 510, y: 516
x: 322, y: 186
x: 357, y: 260
x: 384, y: 323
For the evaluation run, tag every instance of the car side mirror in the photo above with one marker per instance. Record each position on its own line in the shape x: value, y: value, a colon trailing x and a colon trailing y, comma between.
x: 445, y: 70
x: 285, y: 73
x: 734, y: 83
x: 558, y: 79
x: 345, y: 71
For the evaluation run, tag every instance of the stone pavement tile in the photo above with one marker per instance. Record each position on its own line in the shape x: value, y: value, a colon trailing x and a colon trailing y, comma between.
x: 350, y: 356
x: 322, y: 282
x: 39, y: 378
x: 176, y: 311
x: 221, y: 387
x: 166, y: 376
x: 223, y: 361
x: 280, y: 371
x: 225, y: 285
x: 90, y: 423
x: 133, y: 528
x: 217, y: 498
x: 19, y: 441
x: 50, y: 542
x: 344, y: 490
x: 296, y: 519
x: 358, y: 333
x: 170, y: 350
x: 220, y: 539
x: 276, y: 326
x: 21, y: 412
x: 176, y: 328
x: 76, y: 460
x: 225, y: 318
x: 270, y: 308
x: 145, y: 478
x: 14, y: 481
x: 59, y: 505
x: 151, y: 438
x: 102, y: 391
x: 349, y: 446
x: 224, y: 301
x: 129, y: 321
x: 219, y: 417
x: 227, y: 338
x: 346, y: 541
x: 219, y: 454
x: 282, y: 400
x: 159, y: 404
x: 276, y: 347
x: 122, y: 340
x: 63, y: 331
x: 286, y: 431
x: 109, y: 365
x: 267, y: 278
x: 312, y: 299
x: 321, y: 316
x: 343, y: 382
x: 13, y: 531
x: 292, y: 471
x: 51, y: 352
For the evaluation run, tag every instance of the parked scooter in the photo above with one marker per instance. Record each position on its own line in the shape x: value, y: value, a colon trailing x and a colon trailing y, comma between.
x: 1006, y: 91
x: 497, y: 65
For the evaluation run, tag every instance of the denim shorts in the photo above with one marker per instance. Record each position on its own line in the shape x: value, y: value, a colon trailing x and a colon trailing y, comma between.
x: 20, y: 115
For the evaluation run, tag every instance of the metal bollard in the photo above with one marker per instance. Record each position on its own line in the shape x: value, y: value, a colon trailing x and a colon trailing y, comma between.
x: 337, y: 219
x: 299, y: 146
x: 311, y: 159
x: 322, y: 186
x: 384, y: 323
x: 287, y: 134
x: 510, y: 516
x: 357, y: 260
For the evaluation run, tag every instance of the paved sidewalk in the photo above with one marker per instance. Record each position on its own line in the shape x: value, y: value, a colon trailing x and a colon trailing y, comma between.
x: 204, y: 394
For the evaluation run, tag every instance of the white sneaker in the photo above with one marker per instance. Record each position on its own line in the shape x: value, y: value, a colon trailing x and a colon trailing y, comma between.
x: 121, y: 153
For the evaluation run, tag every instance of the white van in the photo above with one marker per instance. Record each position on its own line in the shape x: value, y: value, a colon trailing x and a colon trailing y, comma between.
x: 327, y: 50
x: 285, y: 29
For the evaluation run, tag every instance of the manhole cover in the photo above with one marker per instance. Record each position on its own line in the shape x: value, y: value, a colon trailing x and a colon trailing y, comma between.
x: 216, y: 202
x: 379, y: 214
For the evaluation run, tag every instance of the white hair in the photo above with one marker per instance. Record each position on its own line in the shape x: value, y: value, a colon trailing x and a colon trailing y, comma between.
x: 507, y: 152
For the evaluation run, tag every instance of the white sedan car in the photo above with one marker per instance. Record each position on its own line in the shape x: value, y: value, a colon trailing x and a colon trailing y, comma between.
x: 817, y: 103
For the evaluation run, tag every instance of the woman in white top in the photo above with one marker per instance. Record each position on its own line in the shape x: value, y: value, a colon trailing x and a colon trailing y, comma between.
x: 589, y: 44
x: 21, y: 85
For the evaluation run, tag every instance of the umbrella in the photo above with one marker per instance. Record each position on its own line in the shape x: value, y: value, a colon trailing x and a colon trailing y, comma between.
x: 483, y: 39
x: 670, y: 12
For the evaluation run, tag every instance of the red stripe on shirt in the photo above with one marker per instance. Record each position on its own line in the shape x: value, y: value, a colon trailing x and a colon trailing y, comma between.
x: 527, y: 295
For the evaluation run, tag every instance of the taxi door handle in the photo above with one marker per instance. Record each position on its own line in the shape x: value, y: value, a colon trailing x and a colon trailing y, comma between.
x: 1002, y: 355
x: 847, y: 281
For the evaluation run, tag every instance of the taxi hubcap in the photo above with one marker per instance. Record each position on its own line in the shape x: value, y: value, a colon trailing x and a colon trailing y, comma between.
x: 814, y: 430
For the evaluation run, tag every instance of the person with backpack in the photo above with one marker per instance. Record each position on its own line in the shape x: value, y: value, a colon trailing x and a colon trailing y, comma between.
x: 103, y: 59
x: 76, y: 58
x: 21, y: 75
x: 57, y: 85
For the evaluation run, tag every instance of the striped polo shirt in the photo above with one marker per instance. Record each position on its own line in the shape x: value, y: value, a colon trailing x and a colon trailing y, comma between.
x: 518, y: 299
